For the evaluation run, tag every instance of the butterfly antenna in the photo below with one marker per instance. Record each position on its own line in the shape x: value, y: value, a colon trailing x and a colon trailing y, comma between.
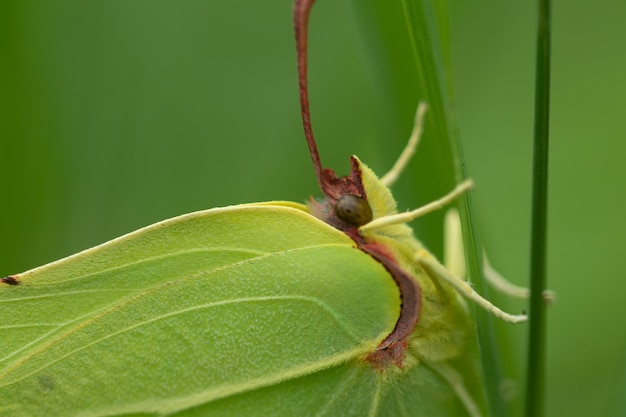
x: 301, y: 11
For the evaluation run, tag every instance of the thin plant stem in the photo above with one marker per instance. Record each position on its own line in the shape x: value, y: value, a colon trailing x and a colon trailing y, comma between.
x: 535, y: 383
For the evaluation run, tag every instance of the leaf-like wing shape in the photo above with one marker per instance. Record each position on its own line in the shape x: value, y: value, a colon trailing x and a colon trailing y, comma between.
x: 189, y: 310
x: 251, y: 310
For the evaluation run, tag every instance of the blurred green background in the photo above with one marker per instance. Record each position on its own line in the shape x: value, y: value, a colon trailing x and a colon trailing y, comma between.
x: 117, y: 114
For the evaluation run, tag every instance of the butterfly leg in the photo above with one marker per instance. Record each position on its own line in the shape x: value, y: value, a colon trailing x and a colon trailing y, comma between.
x: 500, y: 283
x: 453, y: 249
x: 418, y: 127
x: 454, y: 261
x: 437, y: 271
x: 408, y: 216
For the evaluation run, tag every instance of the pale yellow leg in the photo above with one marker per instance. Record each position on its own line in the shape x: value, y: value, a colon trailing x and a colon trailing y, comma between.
x: 454, y: 261
x: 501, y: 284
x: 418, y: 127
x: 453, y: 250
x: 413, y: 214
x: 436, y: 270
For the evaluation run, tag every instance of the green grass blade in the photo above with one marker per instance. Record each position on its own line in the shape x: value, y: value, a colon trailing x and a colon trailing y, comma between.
x: 535, y: 387
x: 430, y: 73
x: 490, y: 359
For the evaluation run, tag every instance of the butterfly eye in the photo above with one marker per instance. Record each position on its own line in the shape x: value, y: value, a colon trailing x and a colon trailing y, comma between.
x: 353, y: 210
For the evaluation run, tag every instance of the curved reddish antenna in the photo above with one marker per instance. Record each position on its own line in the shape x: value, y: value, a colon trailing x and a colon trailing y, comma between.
x: 390, y: 350
x: 301, y: 11
x: 332, y: 186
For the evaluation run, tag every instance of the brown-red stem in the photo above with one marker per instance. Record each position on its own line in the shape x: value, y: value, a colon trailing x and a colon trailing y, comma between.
x: 301, y: 11
x: 392, y: 349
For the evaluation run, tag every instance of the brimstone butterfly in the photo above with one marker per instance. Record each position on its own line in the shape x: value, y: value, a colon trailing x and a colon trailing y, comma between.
x: 330, y: 310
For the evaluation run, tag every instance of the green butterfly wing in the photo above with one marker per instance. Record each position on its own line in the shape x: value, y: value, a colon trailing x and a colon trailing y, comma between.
x: 256, y: 309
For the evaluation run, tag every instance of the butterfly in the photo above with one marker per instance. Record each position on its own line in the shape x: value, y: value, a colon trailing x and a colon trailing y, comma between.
x: 276, y: 308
